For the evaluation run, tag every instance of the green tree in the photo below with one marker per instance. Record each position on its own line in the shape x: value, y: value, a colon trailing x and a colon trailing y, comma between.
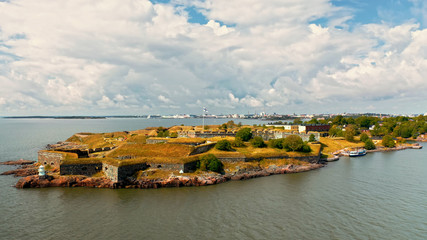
x: 335, y: 131
x: 338, y: 120
x: 364, y: 137
x: 405, y: 131
x: 210, y: 163
x: 313, y: 121
x: 349, y: 133
x: 258, y: 142
x: 369, y: 144
x: 230, y: 124
x: 297, y: 121
x: 364, y: 122
x: 388, y: 141
x: 223, y: 145
x: 293, y: 143
x: 173, y: 135
x: 238, y: 142
x: 245, y: 134
x: 312, y: 138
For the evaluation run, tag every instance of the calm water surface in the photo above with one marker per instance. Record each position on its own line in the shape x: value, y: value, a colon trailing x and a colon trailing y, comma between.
x: 379, y: 196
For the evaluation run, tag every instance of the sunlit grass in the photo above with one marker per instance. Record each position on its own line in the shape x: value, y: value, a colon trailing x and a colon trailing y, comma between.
x: 331, y: 145
x: 151, y: 150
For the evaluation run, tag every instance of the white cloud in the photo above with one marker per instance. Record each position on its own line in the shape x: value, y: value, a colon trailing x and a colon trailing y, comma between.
x: 164, y: 99
x: 137, y: 57
x: 218, y: 29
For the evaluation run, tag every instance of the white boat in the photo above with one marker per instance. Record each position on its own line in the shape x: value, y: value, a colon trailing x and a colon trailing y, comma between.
x: 358, y: 153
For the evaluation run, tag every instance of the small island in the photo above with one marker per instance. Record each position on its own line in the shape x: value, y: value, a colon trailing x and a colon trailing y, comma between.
x: 190, y: 155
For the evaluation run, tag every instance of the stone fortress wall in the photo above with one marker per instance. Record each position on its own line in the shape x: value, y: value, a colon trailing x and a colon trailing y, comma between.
x: 50, y: 158
x: 88, y: 169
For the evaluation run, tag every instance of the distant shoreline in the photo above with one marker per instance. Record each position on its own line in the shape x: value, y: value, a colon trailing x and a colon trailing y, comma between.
x: 55, y: 117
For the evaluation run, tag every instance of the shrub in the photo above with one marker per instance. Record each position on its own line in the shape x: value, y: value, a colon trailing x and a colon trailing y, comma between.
x: 173, y: 135
x: 364, y: 137
x: 210, y: 163
x: 293, y: 143
x: 238, y: 142
x: 369, y: 144
x: 306, y: 148
x: 388, y: 141
x: 223, y: 145
x: 245, y: 134
x: 161, y: 132
x: 258, y: 142
x: 312, y: 138
x: 276, y: 143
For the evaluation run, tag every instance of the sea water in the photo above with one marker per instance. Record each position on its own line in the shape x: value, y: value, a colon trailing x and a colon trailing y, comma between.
x: 378, y: 196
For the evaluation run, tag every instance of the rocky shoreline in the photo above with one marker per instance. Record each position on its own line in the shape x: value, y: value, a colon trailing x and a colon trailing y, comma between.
x: 34, y: 181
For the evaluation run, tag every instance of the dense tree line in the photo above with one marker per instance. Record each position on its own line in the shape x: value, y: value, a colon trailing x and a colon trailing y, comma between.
x: 404, y: 127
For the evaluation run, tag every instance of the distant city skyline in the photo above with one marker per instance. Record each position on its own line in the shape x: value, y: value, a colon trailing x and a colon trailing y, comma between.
x: 130, y: 57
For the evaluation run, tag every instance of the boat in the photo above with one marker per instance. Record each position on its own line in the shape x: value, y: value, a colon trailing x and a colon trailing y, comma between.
x: 358, y: 153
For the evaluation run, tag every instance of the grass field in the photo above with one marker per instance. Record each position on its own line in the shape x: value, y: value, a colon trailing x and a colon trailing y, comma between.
x: 99, y: 140
x: 151, y: 150
x: 331, y: 145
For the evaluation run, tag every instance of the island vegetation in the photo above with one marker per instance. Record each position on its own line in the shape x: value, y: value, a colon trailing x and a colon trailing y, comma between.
x: 203, y: 155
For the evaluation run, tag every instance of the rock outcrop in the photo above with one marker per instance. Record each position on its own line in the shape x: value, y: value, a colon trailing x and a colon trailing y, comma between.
x: 18, y: 162
x: 63, y: 181
x: 22, y: 171
x: 172, y: 181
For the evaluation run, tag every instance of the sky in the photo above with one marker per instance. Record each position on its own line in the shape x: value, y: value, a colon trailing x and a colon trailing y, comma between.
x: 136, y: 57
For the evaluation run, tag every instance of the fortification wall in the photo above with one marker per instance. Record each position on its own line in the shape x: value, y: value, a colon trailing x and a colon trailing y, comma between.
x: 214, y: 134
x: 117, y: 174
x: 185, y: 167
x: 154, y: 141
x: 190, y: 167
x: 80, y: 169
x: 167, y: 166
x: 232, y: 159
x: 205, y: 134
x: 268, y: 135
x: 202, y: 148
x: 129, y: 170
x: 50, y: 158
